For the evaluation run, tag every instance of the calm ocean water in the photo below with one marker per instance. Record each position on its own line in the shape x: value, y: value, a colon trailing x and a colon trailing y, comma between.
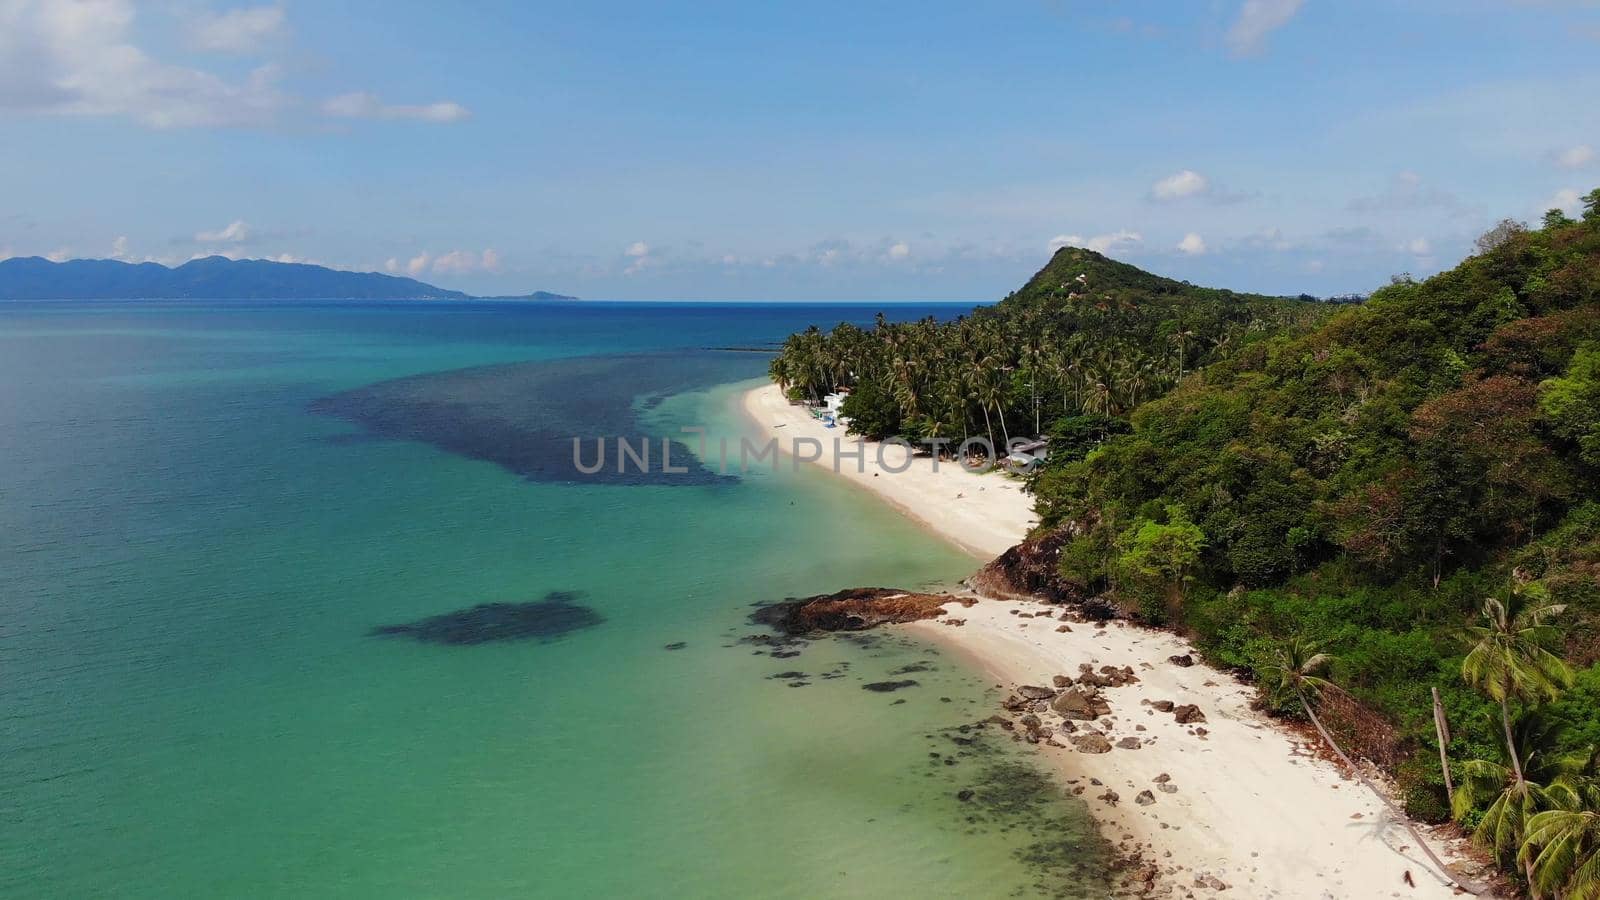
x: 196, y: 542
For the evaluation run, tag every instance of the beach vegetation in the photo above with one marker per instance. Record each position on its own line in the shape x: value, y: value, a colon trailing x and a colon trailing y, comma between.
x: 1357, y: 476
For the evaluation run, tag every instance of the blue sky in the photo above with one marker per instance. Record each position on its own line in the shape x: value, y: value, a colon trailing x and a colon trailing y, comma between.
x: 826, y: 150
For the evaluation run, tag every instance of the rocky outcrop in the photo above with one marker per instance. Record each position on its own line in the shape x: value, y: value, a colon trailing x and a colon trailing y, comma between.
x: 1091, y: 742
x: 1108, y: 676
x: 854, y: 609
x: 1080, y: 702
x: 1029, y: 570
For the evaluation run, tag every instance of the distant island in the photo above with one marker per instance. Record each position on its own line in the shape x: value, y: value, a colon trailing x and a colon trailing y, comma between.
x: 536, y: 295
x: 212, y: 278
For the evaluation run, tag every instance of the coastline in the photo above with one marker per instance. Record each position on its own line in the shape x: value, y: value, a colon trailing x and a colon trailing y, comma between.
x: 1248, y: 807
x: 1255, y: 806
x: 984, y: 515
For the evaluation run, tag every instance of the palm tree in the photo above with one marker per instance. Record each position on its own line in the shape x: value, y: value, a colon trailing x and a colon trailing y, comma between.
x: 1562, y: 853
x: 997, y: 394
x: 1509, y: 658
x: 1182, y: 337
x: 1298, y: 666
x: 1513, y: 801
x: 975, y: 388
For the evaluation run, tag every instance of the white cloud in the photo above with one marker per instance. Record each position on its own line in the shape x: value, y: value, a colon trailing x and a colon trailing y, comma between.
x: 1256, y: 20
x: 243, y: 30
x: 1115, y: 242
x: 1192, y: 244
x: 1568, y: 200
x: 899, y: 250
x: 61, y: 254
x: 365, y: 105
x: 75, y: 57
x: 1575, y: 157
x: 456, y: 261
x: 235, y: 232
x: 639, y: 253
x: 1417, y: 247
x: 462, y: 261
x: 1183, y: 184
x: 80, y: 58
x: 119, y: 249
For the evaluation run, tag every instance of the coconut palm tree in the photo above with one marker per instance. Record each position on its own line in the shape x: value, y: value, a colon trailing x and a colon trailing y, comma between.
x: 1298, y: 669
x: 1513, y: 800
x: 1509, y: 657
x: 1562, y: 852
x: 1182, y: 337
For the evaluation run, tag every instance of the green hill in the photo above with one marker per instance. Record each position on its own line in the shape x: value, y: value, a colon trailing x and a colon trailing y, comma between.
x: 1085, y: 337
x: 1365, y: 486
x: 1116, y: 280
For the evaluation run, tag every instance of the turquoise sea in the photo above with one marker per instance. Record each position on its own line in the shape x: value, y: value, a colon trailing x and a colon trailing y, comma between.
x: 207, y: 508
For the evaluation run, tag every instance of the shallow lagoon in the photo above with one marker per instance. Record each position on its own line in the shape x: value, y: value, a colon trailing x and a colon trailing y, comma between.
x: 194, y: 561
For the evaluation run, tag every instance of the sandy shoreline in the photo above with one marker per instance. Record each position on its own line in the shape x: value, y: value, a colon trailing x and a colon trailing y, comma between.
x: 982, y: 514
x: 1254, y: 807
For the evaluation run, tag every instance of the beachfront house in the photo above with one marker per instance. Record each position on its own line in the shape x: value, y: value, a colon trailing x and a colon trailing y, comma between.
x: 1026, y: 454
x: 828, y: 412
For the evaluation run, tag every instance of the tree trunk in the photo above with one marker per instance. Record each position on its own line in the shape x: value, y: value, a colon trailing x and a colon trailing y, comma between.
x: 1441, y: 727
x: 1511, y: 744
x: 1035, y: 389
x: 1382, y: 798
x: 1438, y: 560
x: 1003, y: 429
x: 989, y: 427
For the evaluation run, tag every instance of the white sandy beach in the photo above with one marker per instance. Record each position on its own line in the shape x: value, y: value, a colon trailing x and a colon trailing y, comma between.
x: 983, y: 514
x: 1254, y: 806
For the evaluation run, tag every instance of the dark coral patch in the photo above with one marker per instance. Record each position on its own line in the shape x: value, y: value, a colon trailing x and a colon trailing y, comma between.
x: 526, y: 417
x: 543, y: 620
x: 884, y: 687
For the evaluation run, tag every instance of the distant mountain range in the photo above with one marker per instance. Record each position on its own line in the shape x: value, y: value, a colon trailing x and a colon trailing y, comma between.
x: 211, y: 278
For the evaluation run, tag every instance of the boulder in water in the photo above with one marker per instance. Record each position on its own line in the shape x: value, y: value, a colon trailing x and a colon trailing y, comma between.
x: 854, y: 609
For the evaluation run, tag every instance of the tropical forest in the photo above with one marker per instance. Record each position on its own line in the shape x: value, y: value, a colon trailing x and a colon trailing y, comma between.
x: 1383, y: 511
